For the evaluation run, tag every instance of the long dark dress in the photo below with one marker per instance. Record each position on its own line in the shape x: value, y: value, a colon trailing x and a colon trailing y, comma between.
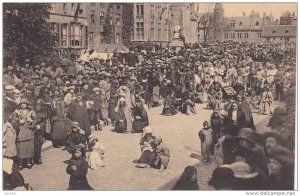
x: 78, y: 113
x: 13, y: 180
x: 120, y: 127
x: 245, y: 106
x: 147, y: 157
x: 59, y: 128
x: 169, y: 106
x: 78, y: 180
x: 139, y: 124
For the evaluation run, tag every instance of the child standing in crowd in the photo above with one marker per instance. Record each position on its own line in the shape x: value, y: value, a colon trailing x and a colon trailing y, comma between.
x: 77, y: 169
x: 75, y: 137
x: 205, y: 136
x: 96, y: 155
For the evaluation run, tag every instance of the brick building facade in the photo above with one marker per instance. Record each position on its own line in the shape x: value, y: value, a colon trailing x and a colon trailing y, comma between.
x: 69, y: 22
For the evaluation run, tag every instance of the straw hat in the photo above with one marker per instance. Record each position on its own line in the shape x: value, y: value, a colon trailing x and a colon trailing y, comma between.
x: 96, y: 89
x: 242, y: 170
x: 9, y: 87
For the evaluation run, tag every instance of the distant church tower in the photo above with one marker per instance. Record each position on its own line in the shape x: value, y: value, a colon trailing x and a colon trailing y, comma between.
x: 218, y: 21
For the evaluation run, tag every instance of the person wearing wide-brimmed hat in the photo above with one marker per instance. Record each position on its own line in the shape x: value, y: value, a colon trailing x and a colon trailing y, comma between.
x: 248, y: 177
x: 25, y: 138
x: 251, y: 143
x: 75, y: 136
x: 222, y: 178
x: 281, y: 169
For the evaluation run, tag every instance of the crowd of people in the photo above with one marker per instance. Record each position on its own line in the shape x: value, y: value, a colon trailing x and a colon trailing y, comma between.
x: 66, y: 103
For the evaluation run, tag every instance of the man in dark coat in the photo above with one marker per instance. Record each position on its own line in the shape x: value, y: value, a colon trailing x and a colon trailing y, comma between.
x: 39, y: 131
x: 132, y: 59
x: 236, y: 118
x: 78, y: 113
x: 245, y: 107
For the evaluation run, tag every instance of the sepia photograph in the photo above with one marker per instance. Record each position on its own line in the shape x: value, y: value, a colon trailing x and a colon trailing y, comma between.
x: 149, y: 96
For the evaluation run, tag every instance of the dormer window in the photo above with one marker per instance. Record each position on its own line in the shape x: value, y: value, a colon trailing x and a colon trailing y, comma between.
x: 241, y: 23
x: 232, y: 25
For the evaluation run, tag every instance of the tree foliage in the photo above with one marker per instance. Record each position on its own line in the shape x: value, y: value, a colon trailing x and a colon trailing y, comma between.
x: 127, y: 28
x: 108, y: 29
x: 26, y: 31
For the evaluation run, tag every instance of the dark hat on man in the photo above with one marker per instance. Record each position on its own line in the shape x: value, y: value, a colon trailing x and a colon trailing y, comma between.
x: 222, y: 177
x: 283, y: 155
x: 247, y: 134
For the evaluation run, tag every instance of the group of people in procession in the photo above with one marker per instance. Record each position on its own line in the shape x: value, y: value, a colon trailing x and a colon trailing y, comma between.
x: 66, y: 103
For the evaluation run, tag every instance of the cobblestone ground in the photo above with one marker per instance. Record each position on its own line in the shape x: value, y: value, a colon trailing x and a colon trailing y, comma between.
x: 180, y: 134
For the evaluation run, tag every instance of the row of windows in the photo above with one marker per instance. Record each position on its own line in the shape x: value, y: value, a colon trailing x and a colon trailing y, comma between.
x: 286, y: 39
x: 91, y: 38
x: 69, y: 35
x: 65, y: 6
x: 102, y: 19
x: 240, y: 35
x: 102, y: 5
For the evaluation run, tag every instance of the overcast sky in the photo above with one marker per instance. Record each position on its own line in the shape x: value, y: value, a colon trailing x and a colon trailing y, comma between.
x: 237, y: 9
